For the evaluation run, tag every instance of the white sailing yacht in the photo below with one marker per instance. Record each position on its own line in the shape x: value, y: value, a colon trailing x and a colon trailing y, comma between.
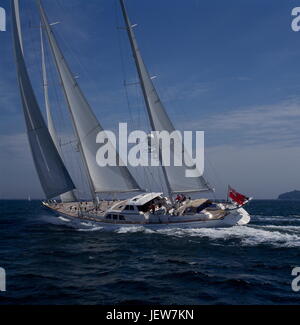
x: 147, y: 209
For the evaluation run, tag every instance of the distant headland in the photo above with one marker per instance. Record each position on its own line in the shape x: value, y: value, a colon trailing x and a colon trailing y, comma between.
x: 294, y: 195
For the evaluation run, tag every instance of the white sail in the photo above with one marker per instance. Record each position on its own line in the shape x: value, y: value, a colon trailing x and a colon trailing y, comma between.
x: 69, y: 196
x: 103, y: 179
x: 52, y: 173
x: 175, y: 176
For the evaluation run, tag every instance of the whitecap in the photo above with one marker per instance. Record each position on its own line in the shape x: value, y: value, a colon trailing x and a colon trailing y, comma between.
x: 247, y: 235
x: 64, y: 219
x: 91, y: 229
x: 87, y: 224
x: 124, y: 230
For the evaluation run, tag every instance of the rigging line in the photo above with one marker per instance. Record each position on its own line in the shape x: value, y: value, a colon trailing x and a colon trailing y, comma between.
x: 62, y: 121
x: 147, y: 170
x: 56, y: 85
x: 173, y: 106
x: 81, y: 176
x: 139, y: 171
x: 74, y: 56
x: 147, y: 122
x: 216, y: 174
x: 35, y: 44
x: 54, y: 89
x: 122, y: 59
x: 140, y: 105
x: 53, y: 82
x: 34, y: 48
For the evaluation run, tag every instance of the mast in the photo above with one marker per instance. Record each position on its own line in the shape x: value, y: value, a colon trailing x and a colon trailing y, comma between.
x: 53, y: 175
x: 108, y: 179
x: 135, y: 50
x: 50, y: 121
x: 69, y: 196
x: 90, y: 183
x: 175, y: 178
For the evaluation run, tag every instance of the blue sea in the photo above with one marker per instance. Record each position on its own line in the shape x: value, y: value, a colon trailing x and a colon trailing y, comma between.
x: 49, y: 261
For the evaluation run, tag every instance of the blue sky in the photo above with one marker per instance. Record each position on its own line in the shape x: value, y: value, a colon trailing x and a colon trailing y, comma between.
x: 230, y: 68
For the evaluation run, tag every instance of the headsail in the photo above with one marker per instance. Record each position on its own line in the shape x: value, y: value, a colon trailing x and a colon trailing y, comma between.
x: 87, y: 127
x: 52, y: 173
x: 175, y: 176
x: 69, y: 196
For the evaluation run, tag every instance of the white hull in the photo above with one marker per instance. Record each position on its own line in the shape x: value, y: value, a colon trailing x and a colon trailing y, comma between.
x: 237, y: 217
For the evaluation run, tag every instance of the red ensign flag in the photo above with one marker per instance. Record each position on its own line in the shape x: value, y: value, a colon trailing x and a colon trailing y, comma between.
x: 237, y: 197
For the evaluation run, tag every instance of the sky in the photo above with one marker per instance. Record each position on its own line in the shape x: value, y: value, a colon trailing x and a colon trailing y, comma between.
x: 229, y: 68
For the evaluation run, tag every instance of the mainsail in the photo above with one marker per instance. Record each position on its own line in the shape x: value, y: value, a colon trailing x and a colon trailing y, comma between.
x: 175, y: 176
x: 109, y: 179
x: 69, y: 196
x: 52, y: 173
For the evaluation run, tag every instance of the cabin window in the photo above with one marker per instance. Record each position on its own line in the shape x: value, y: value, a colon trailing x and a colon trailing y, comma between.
x: 108, y: 216
x: 143, y: 208
x: 122, y: 218
x: 129, y: 208
x: 115, y: 217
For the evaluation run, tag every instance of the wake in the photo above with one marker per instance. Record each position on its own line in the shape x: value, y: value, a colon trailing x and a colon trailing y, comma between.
x: 277, y: 233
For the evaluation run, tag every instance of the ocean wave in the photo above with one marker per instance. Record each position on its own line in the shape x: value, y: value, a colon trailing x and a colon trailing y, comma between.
x: 87, y: 224
x: 282, y: 227
x: 90, y: 229
x: 64, y: 219
x: 274, y: 234
x: 133, y: 229
x: 289, y: 218
x: 247, y: 235
x: 254, y: 235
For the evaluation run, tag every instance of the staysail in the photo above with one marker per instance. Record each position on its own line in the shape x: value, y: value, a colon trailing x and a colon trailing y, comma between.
x: 175, y: 176
x: 69, y: 196
x: 109, y: 179
x: 52, y: 173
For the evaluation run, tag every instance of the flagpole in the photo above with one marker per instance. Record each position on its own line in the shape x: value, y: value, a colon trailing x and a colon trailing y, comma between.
x: 228, y: 193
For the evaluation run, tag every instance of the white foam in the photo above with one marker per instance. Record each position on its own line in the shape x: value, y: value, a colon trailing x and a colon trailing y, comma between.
x: 87, y: 224
x: 251, y: 235
x: 91, y: 229
x: 133, y: 229
x: 248, y: 236
x: 64, y: 219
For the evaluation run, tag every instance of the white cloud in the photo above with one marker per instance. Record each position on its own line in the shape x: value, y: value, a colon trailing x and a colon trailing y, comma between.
x: 277, y: 124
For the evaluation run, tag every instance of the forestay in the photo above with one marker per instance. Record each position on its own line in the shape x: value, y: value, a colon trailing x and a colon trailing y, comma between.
x: 52, y: 173
x: 69, y: 196
x: 175, y: 175
x: 103, y: 179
